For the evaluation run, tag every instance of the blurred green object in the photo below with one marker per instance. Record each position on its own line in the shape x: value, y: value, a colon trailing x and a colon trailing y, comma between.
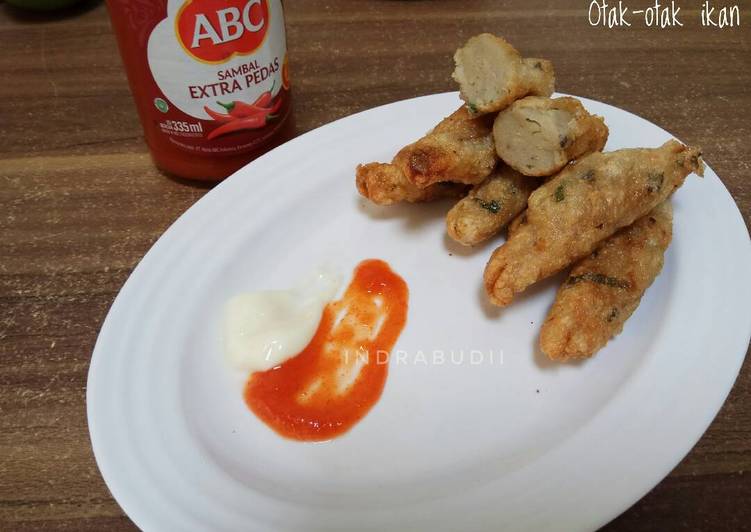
x: 41, y: 5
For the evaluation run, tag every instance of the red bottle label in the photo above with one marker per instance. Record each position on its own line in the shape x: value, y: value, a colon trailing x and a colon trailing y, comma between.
x: 220, y: 82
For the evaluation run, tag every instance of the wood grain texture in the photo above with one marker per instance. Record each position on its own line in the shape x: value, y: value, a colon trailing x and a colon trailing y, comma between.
x: 81, y: 203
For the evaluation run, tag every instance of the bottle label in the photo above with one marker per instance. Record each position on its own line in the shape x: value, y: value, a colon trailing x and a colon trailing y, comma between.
x: 221, y: 81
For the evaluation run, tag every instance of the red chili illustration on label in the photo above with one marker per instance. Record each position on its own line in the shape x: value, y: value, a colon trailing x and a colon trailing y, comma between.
x: 219, y: 117
x: 241, y: 115
x: 214, y: 30
x: 240, y: 109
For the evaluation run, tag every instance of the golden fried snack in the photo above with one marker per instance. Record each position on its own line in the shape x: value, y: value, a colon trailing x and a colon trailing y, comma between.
x: 489, y: 206
x: 491, y: 74
x: 538, y: 136
x: 604, y: 289
x: 385, y: 184
x: 459, y: 149
x: 585, y: 203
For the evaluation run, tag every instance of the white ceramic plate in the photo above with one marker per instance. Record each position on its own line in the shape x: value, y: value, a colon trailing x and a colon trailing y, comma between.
x: 464, y: 445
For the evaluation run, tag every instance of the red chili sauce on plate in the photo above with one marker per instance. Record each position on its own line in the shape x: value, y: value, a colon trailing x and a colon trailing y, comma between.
x: 323, y: 391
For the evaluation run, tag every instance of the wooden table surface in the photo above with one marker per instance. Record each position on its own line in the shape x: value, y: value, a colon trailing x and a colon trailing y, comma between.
x: 80, y: 203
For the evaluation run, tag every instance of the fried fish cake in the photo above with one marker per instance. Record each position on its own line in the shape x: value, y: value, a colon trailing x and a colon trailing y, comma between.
x: 585, y: 203
x: 604, y: 289
x: 459, y: 149
x: 538, y: 136
x: 385, y: 184
x: 489, y: 206
x: 492, y: 74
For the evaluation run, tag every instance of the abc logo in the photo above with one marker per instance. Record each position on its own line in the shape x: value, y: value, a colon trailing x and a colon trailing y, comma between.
x: 214, y: 30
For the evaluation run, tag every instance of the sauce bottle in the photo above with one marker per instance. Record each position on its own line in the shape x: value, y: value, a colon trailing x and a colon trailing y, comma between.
x: 210, y: 80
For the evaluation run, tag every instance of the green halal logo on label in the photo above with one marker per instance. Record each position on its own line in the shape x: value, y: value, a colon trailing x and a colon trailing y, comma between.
x: 161, y: 105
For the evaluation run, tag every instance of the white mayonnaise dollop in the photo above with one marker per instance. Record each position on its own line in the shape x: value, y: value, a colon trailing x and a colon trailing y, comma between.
x: 263, y: 329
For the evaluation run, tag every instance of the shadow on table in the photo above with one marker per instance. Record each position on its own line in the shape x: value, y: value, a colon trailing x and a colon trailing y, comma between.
x: 193, y: 183
x: 32, y: 16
